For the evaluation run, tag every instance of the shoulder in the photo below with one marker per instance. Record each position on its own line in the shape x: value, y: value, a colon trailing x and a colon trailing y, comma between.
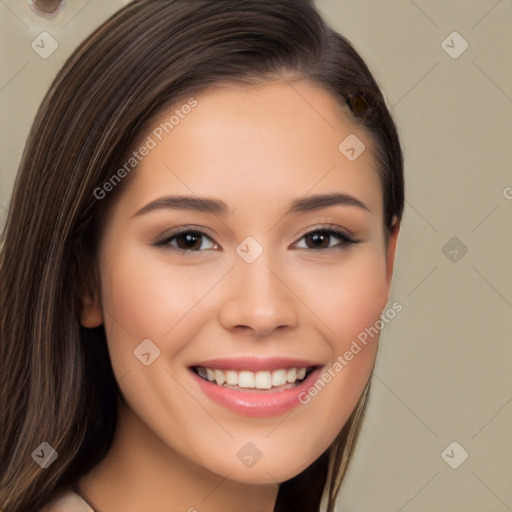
x: 67, y: 501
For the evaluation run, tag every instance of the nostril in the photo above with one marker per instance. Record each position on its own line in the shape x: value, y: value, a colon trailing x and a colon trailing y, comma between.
x: 47, y: 7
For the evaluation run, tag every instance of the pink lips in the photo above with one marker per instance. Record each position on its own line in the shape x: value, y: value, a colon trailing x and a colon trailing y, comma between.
x: 256, y: 403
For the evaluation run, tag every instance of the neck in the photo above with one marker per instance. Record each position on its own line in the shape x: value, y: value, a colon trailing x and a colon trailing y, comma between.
x: 140, y: 472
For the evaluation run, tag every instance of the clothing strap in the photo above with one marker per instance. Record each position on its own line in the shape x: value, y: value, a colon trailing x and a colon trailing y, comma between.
x: 84, y: 498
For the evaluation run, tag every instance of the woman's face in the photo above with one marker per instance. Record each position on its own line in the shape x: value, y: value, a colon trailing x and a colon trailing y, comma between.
x: 228, y: 257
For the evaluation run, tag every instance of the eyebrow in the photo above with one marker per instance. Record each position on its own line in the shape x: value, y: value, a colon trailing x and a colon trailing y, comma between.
x: 204, y: 204
x: 200, y: 204
x: 317, y: 202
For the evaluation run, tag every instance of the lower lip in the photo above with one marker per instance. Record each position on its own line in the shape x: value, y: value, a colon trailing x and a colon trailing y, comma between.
x: 256, y: 404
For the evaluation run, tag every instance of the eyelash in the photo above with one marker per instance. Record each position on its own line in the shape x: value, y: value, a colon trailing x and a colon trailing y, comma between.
x: 345, y: 240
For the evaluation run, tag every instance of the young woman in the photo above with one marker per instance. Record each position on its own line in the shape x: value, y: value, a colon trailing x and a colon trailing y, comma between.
x: 203, y: 227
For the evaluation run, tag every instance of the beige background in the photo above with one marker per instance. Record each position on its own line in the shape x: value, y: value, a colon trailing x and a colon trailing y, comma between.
x: 445, y: 363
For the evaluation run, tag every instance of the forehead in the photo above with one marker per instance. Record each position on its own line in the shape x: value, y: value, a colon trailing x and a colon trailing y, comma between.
x: 273, y: 141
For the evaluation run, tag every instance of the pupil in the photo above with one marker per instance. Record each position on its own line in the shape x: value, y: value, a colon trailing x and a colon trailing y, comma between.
x: 320, y: 239
x: 191, y: 241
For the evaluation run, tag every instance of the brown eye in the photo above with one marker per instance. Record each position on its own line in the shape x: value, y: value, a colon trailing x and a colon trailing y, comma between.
x: 318, y: 240
x: 324, y: 238
x: 190, y: 241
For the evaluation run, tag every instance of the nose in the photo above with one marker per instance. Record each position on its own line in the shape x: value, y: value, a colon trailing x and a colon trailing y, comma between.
x: 258, y: 300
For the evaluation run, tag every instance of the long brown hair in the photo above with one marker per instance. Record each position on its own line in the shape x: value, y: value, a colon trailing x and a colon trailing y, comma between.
x: 57, y: 384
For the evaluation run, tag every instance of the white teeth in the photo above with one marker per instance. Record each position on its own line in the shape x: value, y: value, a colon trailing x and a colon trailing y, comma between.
x: 279, y: 378
x: 263, y: 380
x: 253, y: 380
x: 291, y: 375
x: 219, y: 377
x: 231, y: 377
x: 246, y: 380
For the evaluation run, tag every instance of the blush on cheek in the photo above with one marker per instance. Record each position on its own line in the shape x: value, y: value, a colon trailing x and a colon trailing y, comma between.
x: 150, y: 304
x: 356, y: 307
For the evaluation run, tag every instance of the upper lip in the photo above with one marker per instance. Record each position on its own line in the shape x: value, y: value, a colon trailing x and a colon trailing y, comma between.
x: 254, y: 363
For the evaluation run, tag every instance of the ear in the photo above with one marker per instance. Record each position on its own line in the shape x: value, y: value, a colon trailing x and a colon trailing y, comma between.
x: 391, y: 249
x: 90, y: 310
x: 91, y: 314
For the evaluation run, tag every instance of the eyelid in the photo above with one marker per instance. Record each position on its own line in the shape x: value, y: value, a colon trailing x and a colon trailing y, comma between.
x: 345, y: 241
x: 329, y: 227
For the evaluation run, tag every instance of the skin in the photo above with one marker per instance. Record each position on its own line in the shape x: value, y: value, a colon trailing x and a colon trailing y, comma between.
x: 174, y: 448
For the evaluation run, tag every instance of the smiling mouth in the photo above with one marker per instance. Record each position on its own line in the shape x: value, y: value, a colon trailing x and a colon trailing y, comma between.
x: 265, y: 380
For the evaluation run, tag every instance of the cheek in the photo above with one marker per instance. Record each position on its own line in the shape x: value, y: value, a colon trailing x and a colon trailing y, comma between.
x: 348, y: 297
x: 149, y: 298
